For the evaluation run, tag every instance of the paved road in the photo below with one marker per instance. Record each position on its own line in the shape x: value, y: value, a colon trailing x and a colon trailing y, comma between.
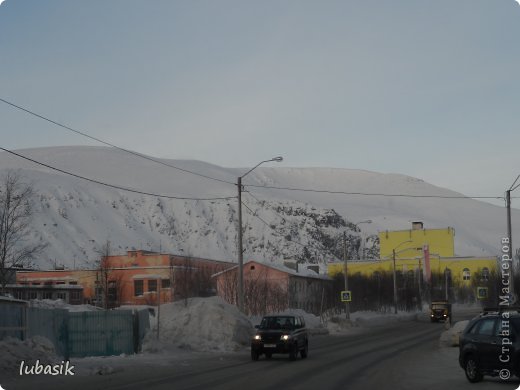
x: 404, y: 355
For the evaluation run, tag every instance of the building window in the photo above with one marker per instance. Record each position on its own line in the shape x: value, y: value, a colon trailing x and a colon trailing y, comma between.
x: 466, y: 275
x: 47, y: 295
x: 74, y: 295
x: 62, y: 296
x: 152, y: 285
x: 138, y: 287
x: 485, y: 273
x: 165, y: 283
x: 33, y: 295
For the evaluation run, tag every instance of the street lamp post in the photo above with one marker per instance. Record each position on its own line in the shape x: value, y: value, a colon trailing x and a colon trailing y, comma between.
x: 347, y: 304
x: 240, y: 249
x: 510, y: 243
x: 347, y: 307
x: 394, y: 275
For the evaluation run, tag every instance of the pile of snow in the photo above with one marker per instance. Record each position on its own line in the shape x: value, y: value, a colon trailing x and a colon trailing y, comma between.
x: 450, y: 337
x: 60, y: 304
x: 30, y: 350
x: 367, y: 319
x: 203, y: 324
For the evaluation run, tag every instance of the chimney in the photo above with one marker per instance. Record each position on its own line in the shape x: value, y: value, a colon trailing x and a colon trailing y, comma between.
x: 417, y: 225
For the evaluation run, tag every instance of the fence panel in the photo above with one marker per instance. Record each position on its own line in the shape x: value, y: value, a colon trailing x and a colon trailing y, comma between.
x: 100, y: 333
x: 141, y: 326
x: 12, y: 320
x: 49, y: 323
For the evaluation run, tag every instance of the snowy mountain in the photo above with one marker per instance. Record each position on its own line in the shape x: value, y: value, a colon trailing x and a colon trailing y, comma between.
x: 76, y: 217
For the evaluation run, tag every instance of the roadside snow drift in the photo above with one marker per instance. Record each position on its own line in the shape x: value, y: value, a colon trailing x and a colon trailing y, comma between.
x: 450, y: 337
x: 15, y: 351
x: 203, y: 324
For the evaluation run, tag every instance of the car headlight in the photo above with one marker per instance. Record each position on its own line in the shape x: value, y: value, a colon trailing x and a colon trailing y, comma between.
x: 257, y: 337
x: 285, y: 337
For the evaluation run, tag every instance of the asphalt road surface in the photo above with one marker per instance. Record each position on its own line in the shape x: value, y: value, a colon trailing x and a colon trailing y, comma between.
x: 404, y: 355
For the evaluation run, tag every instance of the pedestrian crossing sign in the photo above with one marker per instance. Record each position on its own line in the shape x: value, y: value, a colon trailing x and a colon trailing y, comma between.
x: 346, y: 296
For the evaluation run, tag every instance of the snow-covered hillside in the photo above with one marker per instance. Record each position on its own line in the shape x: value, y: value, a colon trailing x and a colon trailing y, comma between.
x: 76, y: 217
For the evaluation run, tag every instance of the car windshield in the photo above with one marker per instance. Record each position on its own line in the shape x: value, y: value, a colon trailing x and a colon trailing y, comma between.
x: 278, y: 322
x: 436, y: 306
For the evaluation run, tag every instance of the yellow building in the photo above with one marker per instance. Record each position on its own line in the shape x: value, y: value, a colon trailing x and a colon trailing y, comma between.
x: 410, y: 243
x: 416, y: 249
x: 460, y: 268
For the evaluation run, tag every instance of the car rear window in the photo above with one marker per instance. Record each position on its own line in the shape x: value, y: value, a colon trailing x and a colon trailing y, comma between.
x: 486, y: 327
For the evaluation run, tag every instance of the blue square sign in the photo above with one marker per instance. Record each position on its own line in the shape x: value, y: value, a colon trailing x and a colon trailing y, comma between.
x: 346, y: 296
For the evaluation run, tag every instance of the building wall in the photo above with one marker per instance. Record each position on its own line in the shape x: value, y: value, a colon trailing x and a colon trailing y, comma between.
x: 124, y: 283
x: 439, y: 241
x: 139, y: 270
x: 456, y: 265
x: 269, y: 289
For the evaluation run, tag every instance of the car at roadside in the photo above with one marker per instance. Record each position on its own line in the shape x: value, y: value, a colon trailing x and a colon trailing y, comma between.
x: 285, y: 334
x: 490, y: 344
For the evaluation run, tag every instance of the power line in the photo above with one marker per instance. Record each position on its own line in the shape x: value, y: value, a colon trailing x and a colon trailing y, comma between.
x: 111, y: 185
x: 110, y: 144
x: 373, y: 194
x: 232, y: 183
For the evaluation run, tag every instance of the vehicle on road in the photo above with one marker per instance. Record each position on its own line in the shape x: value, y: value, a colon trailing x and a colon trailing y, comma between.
x: 490, y: 344
x: 280, y: 334
x: 440, y: 310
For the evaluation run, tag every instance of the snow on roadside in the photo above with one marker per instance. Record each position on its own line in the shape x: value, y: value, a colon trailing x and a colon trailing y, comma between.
x: 450, y: 337
x: 203, y: 324
x: 60, y: 304
x: 367, y: 319
x: 14, y: 351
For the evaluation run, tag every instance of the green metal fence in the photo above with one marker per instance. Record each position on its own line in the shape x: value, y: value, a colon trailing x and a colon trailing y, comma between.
x: 78, y: 334
x: 99, y: 333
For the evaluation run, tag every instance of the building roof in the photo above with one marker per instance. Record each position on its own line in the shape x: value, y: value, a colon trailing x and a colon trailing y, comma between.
x: 306, y: 273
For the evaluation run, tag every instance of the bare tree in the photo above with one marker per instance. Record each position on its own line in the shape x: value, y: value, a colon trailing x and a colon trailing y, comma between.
x: 104, y: 276
x: 184, y: 280
x: 15, y: 226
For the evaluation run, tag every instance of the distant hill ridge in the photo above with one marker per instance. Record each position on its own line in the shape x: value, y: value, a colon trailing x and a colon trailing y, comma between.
x: 76, y: 217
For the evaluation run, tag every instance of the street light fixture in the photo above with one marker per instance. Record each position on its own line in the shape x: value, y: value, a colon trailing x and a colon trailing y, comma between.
x: 240, y: 250
x: 510, y: 243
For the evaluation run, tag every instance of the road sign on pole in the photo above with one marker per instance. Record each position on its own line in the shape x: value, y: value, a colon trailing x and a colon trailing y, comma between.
x: 346, y: 296
x: 482, y: 293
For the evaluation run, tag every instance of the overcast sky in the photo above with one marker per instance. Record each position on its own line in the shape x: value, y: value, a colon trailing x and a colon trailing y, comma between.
x: 425, y: 88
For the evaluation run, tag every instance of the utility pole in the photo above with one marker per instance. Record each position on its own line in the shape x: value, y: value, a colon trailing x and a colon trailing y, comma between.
x: 159, y: 281
x: 347, y: 308
x: 395, y: 283
x: 509, y: 235
x: 240, y: 233
x: 240, y: 250
x: 394, y: 273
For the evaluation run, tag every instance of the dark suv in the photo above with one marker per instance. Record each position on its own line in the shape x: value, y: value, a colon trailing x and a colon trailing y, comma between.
x: 280, y: 334
x: 490, y: 344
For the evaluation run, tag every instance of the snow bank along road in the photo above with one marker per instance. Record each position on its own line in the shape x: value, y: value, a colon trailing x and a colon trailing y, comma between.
x: 403, y: 355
